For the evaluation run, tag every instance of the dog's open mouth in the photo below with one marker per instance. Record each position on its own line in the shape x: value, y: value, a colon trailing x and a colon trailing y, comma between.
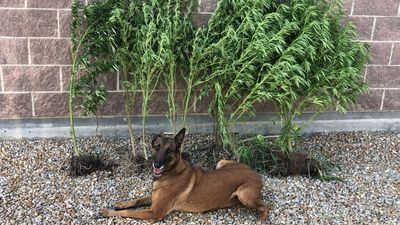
x: 157, y: 171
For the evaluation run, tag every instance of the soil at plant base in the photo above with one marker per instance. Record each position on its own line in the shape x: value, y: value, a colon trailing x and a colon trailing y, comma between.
x: 295, y: 163
x: 275, y: 163
x: 88, y: 163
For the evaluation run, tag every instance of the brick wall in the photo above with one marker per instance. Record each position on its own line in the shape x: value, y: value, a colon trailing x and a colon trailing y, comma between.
x: 35, y: 58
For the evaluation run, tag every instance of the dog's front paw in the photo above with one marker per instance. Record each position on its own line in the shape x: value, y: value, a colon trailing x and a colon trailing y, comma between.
x: 106, y: 212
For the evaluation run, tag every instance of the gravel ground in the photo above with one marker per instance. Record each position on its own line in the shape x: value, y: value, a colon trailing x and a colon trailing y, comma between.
x: 35, y: 187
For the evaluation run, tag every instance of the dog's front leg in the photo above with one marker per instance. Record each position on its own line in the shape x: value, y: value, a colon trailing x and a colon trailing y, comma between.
x: 144, y: 201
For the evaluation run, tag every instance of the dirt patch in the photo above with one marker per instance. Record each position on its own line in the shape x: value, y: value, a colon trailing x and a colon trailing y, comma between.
x: 88, y: 163
x: 273, y: 162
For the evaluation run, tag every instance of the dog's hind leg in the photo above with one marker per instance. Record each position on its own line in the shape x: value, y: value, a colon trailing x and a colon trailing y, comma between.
x: 249, y: 194
x: 144, y: 201
x: 143, y: 214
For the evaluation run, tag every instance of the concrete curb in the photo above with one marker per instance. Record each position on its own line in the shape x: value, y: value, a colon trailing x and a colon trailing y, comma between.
x: 267, y: 124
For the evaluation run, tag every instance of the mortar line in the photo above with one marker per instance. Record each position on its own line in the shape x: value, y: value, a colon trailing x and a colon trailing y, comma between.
x: 195, y: 102
x: 398, y: 10
x: 352, y: 8
x: 206, y: 13
x: 58, y: 23
x: 44, y: 65
x: 36, y: 92
x: 117, y: 80
x: 388, y: 89
x: 26, y: 8
x: 368, y: 41
x: 29, y: 52
x: 365, y: 74
x: 376, y: 65
x: 52, y: 37
x: 383, y: 99
x: 373, y: 28
x: 2, y: 79
x: 61, y: 79
x: 33, y: 104
x: 377, y: 16
x: 391, y: 54
x: 198, y: 7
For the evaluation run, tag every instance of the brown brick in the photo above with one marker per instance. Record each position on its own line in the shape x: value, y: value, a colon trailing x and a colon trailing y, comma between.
x: 368, y: 102
x: 392, y: 100
x: 363, y: 26
x: 12, y: 3
x: 200, y: 19
x: 13, y: 51
x: 28, y: 23
x: 51, y: 104
x: 109, y: 79
x: 115, y: 104
x: 50, y: 51
x: 158, y: 105
x: 31, y: 78
x: 49, y: 3
x: 208, y: 5
x: 15, y: 105
x: 264, y: 107
x: 347, y: 4
x: 387, y: 29
x: 376, y: 7
x: 380, y: 53
x: 203, y: 104
x: 383, y: 76
x: 396, y: 55
x: 65, y: 19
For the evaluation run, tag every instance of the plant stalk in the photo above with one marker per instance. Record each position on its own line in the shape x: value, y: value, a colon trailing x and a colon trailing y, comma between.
x: 127, y: 111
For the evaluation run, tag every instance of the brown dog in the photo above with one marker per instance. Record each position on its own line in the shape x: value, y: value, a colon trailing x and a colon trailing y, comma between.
x: 178, y: 186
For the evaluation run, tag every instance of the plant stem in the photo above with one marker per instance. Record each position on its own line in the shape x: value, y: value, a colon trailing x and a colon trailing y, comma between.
x: 187, y: 99
x: 71, y: 117
x: 144, y: 106
x: 144, y: 115
x: 127, y: 111
x: 71, y: 96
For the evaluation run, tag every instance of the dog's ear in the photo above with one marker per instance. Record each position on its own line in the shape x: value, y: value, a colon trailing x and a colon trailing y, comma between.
x: 179, y: 137
x: 155, y: 139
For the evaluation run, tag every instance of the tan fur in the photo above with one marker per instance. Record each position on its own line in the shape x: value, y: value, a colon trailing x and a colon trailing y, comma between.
x: 191, y: 189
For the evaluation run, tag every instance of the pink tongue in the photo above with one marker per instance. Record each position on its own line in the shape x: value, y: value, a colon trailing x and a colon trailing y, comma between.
x: 156, y: 170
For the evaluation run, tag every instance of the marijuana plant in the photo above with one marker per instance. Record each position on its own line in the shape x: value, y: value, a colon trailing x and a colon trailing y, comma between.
x: 124, y: 23
x: 160, y: 46
x: 295, y: 55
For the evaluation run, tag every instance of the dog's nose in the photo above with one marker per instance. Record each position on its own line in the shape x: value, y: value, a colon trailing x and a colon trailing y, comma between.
x: 157, y: 164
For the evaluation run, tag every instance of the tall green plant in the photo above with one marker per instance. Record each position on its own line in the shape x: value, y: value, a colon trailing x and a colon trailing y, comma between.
x: 295, y: 55
x: 77, y: 40
x: 159, y: 47
x: 88, y: 41
x: 124, y: 21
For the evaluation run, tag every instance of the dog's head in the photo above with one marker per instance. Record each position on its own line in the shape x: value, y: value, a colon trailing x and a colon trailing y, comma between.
x: 167, y: 152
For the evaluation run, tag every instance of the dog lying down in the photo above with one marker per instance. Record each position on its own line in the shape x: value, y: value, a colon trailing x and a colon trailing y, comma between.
x: 181, y: 187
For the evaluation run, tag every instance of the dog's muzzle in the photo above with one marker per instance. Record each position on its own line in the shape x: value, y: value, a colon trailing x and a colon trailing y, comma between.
x: 157, y: 171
